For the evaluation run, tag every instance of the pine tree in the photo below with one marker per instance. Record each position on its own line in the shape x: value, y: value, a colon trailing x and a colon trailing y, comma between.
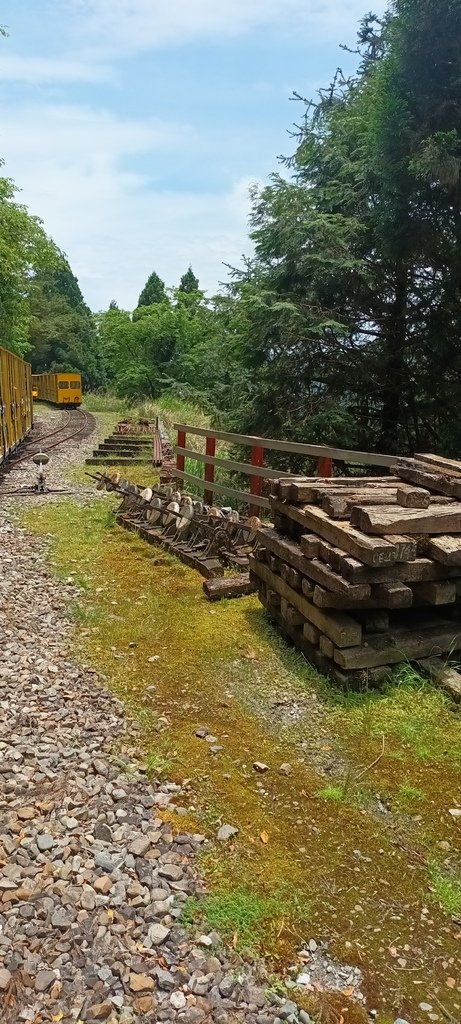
x: 153, y: 291
x: 189, y: 282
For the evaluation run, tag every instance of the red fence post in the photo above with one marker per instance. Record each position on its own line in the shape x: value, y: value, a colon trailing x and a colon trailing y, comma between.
x: 324, y: 467
x: 209, y: 469
x: 256, y: 482
x: 180, y: 459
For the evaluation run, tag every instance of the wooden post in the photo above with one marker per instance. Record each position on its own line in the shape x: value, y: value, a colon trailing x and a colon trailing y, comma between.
x: 324, y: 467
x: 256, y: 482
x: 209, y: 469
x: 180, y: 460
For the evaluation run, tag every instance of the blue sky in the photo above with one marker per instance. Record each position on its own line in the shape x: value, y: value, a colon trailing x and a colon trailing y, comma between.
x: 135, y: 127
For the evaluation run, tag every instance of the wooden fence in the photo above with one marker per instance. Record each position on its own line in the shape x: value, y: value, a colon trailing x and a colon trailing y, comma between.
x: 255, y: 469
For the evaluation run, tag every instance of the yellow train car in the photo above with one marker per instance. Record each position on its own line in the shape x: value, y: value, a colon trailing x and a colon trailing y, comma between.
x: 58, y: 388
x: 16, y: 408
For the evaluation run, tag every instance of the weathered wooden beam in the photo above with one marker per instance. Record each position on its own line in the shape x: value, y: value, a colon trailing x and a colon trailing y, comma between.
x: 387, y: 520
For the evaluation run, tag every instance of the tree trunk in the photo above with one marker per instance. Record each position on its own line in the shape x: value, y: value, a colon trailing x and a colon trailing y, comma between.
x: 394, y: 366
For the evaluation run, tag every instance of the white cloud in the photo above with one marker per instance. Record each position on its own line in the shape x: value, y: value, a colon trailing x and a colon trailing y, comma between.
x: 47, y: 70
x: 131, y: 25
x: 73, y: 166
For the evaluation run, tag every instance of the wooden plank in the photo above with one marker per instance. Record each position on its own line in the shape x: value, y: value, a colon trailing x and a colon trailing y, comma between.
x: 311, y: 545
x: 387, y: 520
x: 342, y: 629
x: 436, y: 593
x: 290, y: 614
x: 392, y: 595
x: 450, y: 467
x: 445, y: 549
x: 311, y: 634
x: 403, y: 645
x: 341, y: 534
x: 416, y: 473
x: 308, y: 589
x: 317, y: 451
x: 229, y: 464
x: 413, y: 497
x: 338, y: 505
x: 383, y: 596
x: 327, y: 647
x: 313, y: 568
x: 407, y: 548
x: 312, y: 489
x: 229, y: 586
x: 249, y: 499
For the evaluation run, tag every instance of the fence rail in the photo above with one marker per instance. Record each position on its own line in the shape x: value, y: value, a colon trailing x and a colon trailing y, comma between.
x: 255, y: 469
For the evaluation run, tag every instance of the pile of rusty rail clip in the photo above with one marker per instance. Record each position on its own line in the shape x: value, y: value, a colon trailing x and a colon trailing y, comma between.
x: 208, y: 539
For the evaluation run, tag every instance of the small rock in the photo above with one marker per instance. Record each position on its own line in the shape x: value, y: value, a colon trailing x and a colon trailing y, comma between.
x: 165, y: 979
x: 103, y: 884
x: 158, y: 933
x: 27, y: 813
x: 259, y: 766
x: 285, y: 768
x: 44, y: 980
x: 202, y: 732
x: 102, y: 860
x: 303, y: 979
x: 304, y: 1017
x: 139, y: 846
x: 427, y: 1006
x: 226, y: 986
x: 454, y: 811
x: 100, y: 767
x: 5, y: 978
x: 141, y: 983
x: 171, y: 871
x: 226, y: 832
x: 178, y: 1000
x: 102, y: 832
x: 100, y: 1011
x: 205, y: 940
x: 287, y: 1010
x: 44, y: 842
x: 312, y: 945
x: 62, y: 917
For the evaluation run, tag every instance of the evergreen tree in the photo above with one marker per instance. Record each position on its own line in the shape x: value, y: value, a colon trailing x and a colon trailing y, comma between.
x: 189, y: 282
x: 348, y: 321
x: 153, y: 291
x: 62, y: 331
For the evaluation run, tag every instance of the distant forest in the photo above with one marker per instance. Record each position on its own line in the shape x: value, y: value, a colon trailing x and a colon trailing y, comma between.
x: 344, y: 325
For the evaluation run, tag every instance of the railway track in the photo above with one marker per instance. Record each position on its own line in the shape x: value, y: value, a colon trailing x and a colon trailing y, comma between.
x: 78, y: 423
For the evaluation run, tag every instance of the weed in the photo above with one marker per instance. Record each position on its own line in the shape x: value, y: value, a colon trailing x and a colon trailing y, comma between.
x: 446, y: 891
x: 239, y: 915
x: 157, y: 765
x: 332, y: 792
x: 409, y: 793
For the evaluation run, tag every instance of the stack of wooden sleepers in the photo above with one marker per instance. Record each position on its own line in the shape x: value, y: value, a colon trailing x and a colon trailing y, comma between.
x: 365, y: 572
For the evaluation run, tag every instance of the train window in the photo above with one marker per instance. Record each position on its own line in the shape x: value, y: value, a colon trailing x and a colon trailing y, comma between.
x: 63, y: 384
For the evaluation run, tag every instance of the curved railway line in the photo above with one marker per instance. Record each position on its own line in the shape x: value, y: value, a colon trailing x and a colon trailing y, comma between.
x: 83, y: 423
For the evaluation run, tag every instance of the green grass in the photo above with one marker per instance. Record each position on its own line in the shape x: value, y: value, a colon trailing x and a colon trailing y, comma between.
x: 331, y: 793
x: 240, y: 916
x: 411, y: 713
x: 157, y: 765
x: 409, y: 793
x: 446, y: 890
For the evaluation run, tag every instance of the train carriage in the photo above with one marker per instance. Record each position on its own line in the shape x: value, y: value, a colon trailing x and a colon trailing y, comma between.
x: 16, y: 407
x: 58, y: 388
